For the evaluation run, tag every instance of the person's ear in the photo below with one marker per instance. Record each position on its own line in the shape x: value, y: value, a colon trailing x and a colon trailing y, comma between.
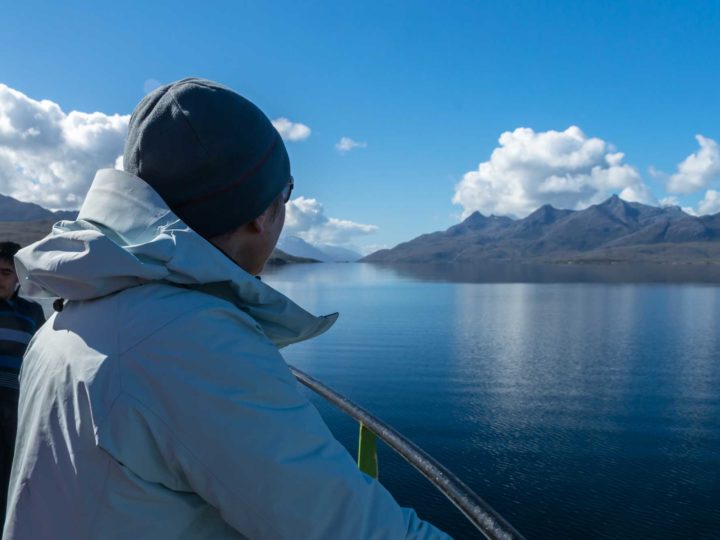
x: 258, y: 224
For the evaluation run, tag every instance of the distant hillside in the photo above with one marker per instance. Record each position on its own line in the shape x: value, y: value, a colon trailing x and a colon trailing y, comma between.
x: 279, y: 257
x: 613, y: 231
x: 14, y: 210
x: 298, y: 247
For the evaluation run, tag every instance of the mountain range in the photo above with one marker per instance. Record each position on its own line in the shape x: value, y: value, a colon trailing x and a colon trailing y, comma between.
x: 319, y: 252
x: 13, y: 210
x: 612, y: 231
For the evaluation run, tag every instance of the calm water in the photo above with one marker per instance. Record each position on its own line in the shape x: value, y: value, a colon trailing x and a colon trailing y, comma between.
x: 577, y: 403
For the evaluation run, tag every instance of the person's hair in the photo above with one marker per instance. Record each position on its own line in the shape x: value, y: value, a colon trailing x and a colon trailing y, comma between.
x: 273, y: 210
x: 8, y: 251
x: 275, y: 206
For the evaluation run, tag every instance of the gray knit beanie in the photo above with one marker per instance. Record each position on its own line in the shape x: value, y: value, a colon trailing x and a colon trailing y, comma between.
x: 213, y: 156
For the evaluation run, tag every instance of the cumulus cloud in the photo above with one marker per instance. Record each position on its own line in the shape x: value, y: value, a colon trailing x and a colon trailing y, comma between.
x: 710, y: 203
x: 567, y: 169
x: 698, y: 169
x: 345, y: 144
x: 291, y: 131
x: 657, y: 174
x: 306, y: 218
x: 669, y: 201
x: 50, y: 157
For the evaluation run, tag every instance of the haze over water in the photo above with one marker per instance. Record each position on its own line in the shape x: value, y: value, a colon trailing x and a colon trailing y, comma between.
x: 579, y: 402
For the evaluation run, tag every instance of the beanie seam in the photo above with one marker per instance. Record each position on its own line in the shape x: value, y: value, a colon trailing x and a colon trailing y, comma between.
x: 189, y: 124
x: 243, y: 178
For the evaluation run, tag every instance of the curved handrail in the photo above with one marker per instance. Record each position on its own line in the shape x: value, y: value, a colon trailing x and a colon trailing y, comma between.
x: 488, y: 521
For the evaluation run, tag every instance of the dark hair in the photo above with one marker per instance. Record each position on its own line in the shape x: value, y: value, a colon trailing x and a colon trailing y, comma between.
x: 8, y: 251
x: 275, y: 206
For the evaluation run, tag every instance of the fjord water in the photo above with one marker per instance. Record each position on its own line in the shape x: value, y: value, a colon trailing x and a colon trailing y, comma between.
x: 580, y: 403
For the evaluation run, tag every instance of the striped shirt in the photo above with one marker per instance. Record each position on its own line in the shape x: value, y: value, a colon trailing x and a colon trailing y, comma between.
x: 19, y: 320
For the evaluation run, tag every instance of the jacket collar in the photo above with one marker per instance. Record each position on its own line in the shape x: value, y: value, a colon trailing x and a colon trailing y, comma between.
x: 125, y: 235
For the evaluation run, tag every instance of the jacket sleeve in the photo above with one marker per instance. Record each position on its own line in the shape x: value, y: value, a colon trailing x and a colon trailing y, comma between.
x: 229, y: 422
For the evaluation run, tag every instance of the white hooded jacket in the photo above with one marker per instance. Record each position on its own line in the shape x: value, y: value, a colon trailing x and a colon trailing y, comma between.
x: 156, y: 404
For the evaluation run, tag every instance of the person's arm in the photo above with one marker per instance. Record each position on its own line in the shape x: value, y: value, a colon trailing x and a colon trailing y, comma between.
x: 227, y: 417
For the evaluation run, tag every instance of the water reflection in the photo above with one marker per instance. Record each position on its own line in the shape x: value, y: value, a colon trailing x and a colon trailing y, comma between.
x: 579, y: 409
x: 554, y: 273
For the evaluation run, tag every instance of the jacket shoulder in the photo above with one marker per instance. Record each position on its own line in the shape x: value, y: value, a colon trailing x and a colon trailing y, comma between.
x: 146, y: 310
x: 188, y: 366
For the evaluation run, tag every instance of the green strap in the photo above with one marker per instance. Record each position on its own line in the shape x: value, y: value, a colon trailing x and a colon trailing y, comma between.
x: 367, y: 452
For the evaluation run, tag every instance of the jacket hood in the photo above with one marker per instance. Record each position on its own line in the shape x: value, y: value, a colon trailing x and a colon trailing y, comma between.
x: 125, y: 235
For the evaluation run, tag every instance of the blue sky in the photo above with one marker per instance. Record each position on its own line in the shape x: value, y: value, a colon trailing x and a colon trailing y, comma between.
x: 428, y: 87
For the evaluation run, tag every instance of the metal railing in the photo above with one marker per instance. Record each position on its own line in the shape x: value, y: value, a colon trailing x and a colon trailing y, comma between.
x: 488, y: 521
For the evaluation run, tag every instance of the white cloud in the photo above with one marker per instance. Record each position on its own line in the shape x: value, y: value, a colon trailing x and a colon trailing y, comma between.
x: 345, y: 144
x: 657, y: 174
x: 50, y: 157
x: 639, y: 193
x: 564, y: 168
x: 698, y: 169
x: 306, y: 218
x: 669, y: 201
x: 710, y: 203
x: 291, y: 131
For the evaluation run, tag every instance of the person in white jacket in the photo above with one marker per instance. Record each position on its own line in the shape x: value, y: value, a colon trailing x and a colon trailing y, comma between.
x: 155, y: 404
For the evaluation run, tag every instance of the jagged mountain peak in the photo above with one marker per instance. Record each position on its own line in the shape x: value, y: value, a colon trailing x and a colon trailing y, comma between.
x: 475, y: 217
x: 614, y: 201
x: 476, y: 222
x: 635, y: 212
x: 619, y: 209
x: 547, y: 213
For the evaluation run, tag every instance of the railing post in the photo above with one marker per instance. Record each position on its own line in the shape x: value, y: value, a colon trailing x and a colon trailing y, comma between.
x: 367, y: 452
